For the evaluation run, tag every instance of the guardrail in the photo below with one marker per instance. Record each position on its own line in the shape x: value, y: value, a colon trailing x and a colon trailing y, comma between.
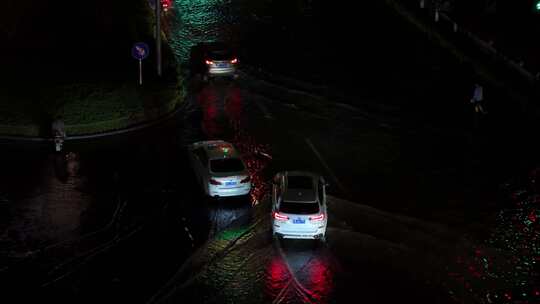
x: 436, y: 11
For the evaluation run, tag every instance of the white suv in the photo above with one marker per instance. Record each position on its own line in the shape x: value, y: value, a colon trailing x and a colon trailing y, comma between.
x: 299, y: 205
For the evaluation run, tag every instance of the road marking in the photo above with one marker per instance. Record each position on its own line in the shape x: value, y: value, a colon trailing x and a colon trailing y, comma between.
x: 265, y: 155
x: 325, y: 165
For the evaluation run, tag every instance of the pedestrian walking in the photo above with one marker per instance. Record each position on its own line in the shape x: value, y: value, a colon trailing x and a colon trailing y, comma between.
x: 478, y: 99
x: 59, y: 133
x: 58, y: 127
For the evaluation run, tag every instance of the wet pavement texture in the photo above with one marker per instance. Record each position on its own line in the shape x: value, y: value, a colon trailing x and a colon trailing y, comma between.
x: 121, y: 218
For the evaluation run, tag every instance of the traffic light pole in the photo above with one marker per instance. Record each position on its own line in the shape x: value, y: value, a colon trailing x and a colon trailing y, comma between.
x: 158, y: 36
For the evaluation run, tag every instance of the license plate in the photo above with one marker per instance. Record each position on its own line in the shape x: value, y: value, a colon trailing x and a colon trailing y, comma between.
x: 230, y: 183
x: 221, y: 65
x: 299, y: 221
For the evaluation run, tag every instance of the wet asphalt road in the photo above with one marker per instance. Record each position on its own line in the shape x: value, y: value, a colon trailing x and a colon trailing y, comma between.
x: 121, y: 219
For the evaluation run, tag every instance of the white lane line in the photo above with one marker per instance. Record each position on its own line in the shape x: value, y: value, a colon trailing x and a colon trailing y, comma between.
x: 263, y: 108
x: 265, y: 155
x: 281, y: 294
x: 325, y: 165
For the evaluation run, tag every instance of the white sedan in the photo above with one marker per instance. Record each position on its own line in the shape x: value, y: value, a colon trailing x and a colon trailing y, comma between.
x: 219, y: 168
x: 299, y: 206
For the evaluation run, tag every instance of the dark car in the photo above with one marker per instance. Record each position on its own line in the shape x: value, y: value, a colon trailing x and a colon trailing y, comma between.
x: 216, y: 59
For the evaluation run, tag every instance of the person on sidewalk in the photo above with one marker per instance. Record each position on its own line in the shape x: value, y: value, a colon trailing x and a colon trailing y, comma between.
x: 59, y: 133
x: 58, y: 127
x: 478, y: 99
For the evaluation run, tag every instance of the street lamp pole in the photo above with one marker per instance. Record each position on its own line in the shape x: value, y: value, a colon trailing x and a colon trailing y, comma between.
x: 158, y: 36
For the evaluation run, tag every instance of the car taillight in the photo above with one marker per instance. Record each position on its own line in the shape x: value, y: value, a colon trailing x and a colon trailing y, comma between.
x: 280, y: 217
x: 214, y: 182
x: 209, y: 62
x: 245, y: 180
x: 235, y: 60
x: 315, y: 218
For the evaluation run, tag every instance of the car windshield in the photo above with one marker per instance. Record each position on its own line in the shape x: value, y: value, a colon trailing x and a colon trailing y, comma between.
x: 226, y: 165
x: 299, y: 208
x: 300, y: 182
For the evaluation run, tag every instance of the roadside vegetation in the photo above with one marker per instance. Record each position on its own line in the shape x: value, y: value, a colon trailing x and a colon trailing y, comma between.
x: 78, y: 65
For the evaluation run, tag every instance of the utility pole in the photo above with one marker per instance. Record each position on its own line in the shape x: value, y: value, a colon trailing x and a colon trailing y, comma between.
x: 158, y: 36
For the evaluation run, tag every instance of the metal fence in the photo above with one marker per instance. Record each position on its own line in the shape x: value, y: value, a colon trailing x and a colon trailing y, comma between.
x: 439, y: 12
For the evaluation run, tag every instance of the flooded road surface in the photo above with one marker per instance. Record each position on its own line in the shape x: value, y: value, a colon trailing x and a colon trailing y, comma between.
x: 50, y: 198
x: 406, y: 163
x: 122, y: 218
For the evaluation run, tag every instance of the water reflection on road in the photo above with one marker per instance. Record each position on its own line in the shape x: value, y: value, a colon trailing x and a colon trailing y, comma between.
x: 299, y: 274
x: 48, y: 201
x: 221, y: 106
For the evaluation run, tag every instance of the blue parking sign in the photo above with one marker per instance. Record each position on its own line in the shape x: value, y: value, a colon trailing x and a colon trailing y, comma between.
x: 140, y: 50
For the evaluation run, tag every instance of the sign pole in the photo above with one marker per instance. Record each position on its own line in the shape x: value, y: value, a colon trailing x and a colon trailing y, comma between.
x: 158, y: 36
x: 140, y: 71
x: 140, y: 51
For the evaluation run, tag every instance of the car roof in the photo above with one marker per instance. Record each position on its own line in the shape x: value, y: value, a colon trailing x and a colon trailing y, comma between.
x: 217, y: 149
x: 301, y: 195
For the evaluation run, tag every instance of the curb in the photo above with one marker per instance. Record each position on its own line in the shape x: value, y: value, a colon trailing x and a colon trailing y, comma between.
x: 137, y: 127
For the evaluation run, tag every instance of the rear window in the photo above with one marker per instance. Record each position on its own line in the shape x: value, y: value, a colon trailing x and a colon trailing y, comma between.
x: 299, y: 208
x: 299, y: 182
x: 226, y: 165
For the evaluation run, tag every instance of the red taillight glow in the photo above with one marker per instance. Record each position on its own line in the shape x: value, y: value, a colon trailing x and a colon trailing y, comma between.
x: 209, y: 62
x: 245, y: 180
x: 214, y: 182
x: 235, y: 60
x: 280, y: 217
x: 319, y: 217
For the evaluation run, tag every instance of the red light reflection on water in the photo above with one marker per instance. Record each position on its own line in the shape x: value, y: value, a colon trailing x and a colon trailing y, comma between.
x: 222, y: 119
x: 312, y: 281
x: 277, y: 276
x: 233, y: 104
x: 257, y: 157
x: 208, y: 99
